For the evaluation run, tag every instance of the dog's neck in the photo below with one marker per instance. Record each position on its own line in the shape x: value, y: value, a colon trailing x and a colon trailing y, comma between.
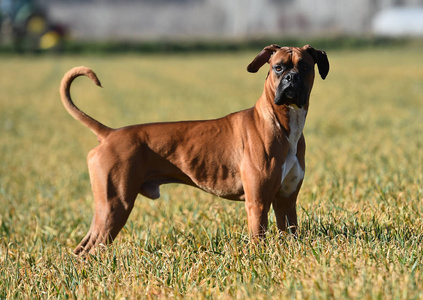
x: 288, y: 119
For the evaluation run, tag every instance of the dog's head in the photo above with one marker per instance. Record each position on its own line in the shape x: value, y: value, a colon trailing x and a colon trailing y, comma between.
x: 291, y: 74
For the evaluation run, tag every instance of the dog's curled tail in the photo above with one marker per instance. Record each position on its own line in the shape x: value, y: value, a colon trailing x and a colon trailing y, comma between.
x: 99, y: 129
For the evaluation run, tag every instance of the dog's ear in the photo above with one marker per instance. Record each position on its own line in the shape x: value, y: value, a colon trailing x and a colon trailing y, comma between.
x: 262, y: 58
x: 320, y: 58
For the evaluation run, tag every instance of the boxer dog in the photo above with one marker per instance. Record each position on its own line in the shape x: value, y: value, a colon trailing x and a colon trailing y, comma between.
x: 254, y: 155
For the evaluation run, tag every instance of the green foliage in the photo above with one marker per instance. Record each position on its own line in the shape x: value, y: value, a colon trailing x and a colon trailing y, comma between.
x: 199, y: 46
x: 360, y: 208
x: 213, y: 45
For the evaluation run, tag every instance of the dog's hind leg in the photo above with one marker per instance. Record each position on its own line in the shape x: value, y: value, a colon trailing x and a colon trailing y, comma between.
x: 114, y: 196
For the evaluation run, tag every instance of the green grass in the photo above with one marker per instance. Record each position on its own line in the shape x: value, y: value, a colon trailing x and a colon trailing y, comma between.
x: 360, y: 208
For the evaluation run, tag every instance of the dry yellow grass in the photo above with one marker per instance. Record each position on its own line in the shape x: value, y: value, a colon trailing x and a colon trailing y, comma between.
x: 360, y: 209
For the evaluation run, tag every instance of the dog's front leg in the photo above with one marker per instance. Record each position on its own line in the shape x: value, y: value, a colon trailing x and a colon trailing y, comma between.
x: 257, y: 203
x: 257, y: 217
x: 286, y: 212
x: 285, y: 202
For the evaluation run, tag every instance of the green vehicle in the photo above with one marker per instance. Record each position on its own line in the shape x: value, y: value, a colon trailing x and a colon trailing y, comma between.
x: 25, y: 25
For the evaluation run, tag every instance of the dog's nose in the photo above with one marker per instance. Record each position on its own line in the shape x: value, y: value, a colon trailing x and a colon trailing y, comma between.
x: 292, y: 77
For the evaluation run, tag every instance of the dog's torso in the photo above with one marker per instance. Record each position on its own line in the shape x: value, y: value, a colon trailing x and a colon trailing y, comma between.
x: 185, y: 152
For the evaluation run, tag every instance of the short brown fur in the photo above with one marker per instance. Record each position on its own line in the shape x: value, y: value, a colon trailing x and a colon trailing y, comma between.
x: 238, y: 157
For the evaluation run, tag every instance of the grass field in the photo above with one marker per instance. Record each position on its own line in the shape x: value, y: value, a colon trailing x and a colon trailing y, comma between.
x: 360, y: 208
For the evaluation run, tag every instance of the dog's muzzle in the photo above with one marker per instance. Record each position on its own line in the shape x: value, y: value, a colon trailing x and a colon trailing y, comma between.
x: 291, y: 90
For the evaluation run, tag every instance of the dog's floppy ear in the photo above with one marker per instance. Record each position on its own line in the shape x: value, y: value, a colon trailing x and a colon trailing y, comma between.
x: 320, y: 58
x: 262, y: 58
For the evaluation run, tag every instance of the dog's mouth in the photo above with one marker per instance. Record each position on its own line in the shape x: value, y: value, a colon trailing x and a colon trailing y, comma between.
x: 290, y: 96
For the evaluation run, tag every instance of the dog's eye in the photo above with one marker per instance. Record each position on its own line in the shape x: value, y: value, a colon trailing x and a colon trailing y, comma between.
x: 278, y: 69
x: 305, y: 68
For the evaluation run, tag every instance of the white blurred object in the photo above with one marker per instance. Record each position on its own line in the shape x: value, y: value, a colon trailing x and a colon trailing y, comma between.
x: 400, y: 21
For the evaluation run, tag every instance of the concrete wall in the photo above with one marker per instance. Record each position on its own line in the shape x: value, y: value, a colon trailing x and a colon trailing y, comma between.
x: 176, y: 19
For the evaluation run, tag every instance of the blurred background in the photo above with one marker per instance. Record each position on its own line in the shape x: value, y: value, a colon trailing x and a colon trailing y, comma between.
x: 32, y: 25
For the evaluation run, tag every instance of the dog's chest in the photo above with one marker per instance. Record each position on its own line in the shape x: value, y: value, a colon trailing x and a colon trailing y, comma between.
x: 292, y: 173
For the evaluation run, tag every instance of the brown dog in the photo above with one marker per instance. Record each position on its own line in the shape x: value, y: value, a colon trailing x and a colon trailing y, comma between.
x: 255, y: 155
